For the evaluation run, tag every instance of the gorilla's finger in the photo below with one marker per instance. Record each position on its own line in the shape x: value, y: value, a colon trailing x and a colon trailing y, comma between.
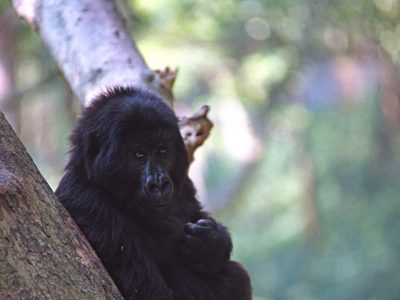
x: 195, y: 229
x: 206, y: 223
x: 191, y: 241
x: 187, y: 227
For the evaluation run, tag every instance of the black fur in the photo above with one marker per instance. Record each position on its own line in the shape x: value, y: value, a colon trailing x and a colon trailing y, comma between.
x: 152, y: 236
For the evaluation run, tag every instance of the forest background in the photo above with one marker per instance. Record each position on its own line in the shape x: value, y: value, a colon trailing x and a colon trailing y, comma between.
x: 303, y: 163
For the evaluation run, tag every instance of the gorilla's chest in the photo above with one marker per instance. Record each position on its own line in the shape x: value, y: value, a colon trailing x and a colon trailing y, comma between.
x: 162, y: 245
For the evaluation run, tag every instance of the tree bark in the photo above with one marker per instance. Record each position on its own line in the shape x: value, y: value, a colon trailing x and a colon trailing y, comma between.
x: 43, y: 255
x: 89, y: 41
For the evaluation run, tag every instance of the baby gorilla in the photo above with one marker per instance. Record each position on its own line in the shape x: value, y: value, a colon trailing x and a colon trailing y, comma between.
x: 126, y: 186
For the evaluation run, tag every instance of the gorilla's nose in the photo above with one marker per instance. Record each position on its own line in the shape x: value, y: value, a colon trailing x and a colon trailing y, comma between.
x: 158, y: 185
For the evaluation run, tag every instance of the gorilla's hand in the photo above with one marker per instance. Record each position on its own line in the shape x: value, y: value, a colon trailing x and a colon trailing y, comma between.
x: 206, y: 247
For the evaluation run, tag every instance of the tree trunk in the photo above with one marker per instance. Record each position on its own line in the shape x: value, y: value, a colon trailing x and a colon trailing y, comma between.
x: 43, y: 255
x: 89, y: 41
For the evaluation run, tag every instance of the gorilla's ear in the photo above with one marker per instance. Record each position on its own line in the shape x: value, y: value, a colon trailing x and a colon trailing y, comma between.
x: 90, y: 149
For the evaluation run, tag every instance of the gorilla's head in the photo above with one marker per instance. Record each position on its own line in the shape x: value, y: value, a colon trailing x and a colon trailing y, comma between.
x: 130, y: 146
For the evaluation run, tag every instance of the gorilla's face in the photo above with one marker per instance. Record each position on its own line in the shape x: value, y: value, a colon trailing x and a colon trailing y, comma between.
x: 151, y: 160
x: 138, y: 156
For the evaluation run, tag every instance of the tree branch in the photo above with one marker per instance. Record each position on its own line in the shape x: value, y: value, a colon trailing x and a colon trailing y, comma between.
x: 93, y: 47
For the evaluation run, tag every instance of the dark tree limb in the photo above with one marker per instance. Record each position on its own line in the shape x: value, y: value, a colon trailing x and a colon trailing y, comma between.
x: 43, y: 255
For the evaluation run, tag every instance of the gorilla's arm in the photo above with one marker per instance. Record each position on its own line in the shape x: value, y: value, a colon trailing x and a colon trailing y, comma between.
x: 117, y: 242
x: 206, y: 250
x: 207, y: 246
x: 132, y: 268
x: 139, y: 278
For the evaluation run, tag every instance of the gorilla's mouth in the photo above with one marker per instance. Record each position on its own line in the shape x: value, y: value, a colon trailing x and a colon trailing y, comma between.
x: 160, y: 205
x: 155, y: 201
x: 153, y: 205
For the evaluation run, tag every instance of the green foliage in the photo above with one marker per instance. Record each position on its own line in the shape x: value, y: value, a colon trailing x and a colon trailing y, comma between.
x: 255, y: 53
x: 354, y: 255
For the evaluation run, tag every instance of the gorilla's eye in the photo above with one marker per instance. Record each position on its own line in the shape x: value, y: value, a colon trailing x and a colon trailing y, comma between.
x: 139, y: 154
x: 162, y: 150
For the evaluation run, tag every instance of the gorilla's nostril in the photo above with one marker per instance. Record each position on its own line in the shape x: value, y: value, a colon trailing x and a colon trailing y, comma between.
x: 166, y: 187
x: 158, y: 186
x: 154, y: 188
